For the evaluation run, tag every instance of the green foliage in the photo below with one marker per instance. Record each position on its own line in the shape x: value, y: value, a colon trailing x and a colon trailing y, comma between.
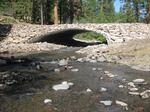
x: 91, y: 36
x: 76, y: 11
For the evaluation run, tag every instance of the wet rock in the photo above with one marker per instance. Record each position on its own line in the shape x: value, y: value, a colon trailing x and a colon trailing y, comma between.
x: 121, y: 86
x: 38, y: 67
x: 56, y: 70
x: 103, y: 89
x: 88, y: 90
x: 63, y: 62
x: 2, y: 86
x: 131, y: 84
x: 74, y: 70
x: 123, y: 104
x: 69, y: 67
x: 73, y: 57
x: 94, y: 69
x: 138, y: 80
x: 80, y: 60
x: 63, y: 86
x: 106, y: 102
x: 145, y: 94
x: 101, y: 78
x: 11, y: 82
x: 134, y: 93
x: 47, y: 101
x: 109, y: 74
x: 133, y: 89
x: 92, y: 61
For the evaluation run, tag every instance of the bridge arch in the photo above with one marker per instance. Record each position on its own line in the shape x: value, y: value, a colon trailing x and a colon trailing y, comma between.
x: 65, y: 37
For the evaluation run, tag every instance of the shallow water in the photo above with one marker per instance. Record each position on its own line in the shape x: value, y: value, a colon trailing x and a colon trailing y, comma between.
x: 28, y: 94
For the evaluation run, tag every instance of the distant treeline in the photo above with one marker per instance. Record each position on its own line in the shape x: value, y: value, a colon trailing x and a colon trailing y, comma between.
x: 75, y: 11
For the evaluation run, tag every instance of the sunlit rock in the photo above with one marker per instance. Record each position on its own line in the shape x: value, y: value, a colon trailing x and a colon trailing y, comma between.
x: 74, y: 70
x: 46, y: 101
x: 63, y: 86
x: 138, y: 80
x: 106, y: 102
x: 88, y: 90
x: 145, y: 94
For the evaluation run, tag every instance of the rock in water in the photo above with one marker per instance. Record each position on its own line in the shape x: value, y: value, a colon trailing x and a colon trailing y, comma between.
x: 74, y: 70
x: 106, y: 102
x: 57, y: 70
x: 88, y: 90
x: 63, y: 86
x: 121, y: 103
x: 145, y: 94
x: 103, y: 89
x: 63, y: 62
x: 134, y: 93
x: 46, y: 101
x: 138, y: 80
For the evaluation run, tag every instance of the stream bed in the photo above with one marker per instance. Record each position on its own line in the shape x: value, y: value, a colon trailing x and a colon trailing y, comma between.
x: 27, y: 85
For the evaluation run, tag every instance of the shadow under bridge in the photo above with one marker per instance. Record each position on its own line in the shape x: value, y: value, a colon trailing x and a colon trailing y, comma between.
x: 64, y: 37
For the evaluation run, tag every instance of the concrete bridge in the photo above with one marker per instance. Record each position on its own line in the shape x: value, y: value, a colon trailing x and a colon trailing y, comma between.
x: 114, y: 33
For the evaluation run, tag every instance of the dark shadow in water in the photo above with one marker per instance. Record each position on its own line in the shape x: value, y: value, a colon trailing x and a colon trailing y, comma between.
x: 24, y: 77
x: 4, y: 30
x: 65, y: 37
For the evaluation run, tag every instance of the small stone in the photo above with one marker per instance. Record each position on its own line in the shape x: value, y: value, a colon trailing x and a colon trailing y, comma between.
x: 70, y: 84
x: 73, y: 57
x: 121, y: 103
x: 145, y: 94
x: 75, y: 70
x: 38, y: 67
x: 131, y: 84
x: 106, y: 102
x: 109, y: 74
x: 57, y: 70
x: 103, y: 89
x: 63, y: 86
x: 93, y: 61
x: 121, y: 86
x: 106, y: 72
x: 88, y: 90
x: 133, y: 89
x: 101, y: 78
x: 134, y: 93
x: 138, y: 80
x: 63, y: 62
x: 1, y: 85
x: 69, y: 67
x: 80, y: 60
x: 46, y: 101
x: 94, y: 69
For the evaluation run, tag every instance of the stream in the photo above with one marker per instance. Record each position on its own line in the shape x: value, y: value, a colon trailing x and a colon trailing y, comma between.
x: 25, y: 86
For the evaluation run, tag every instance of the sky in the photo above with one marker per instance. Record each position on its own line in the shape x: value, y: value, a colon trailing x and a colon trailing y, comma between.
x: 117, y: 5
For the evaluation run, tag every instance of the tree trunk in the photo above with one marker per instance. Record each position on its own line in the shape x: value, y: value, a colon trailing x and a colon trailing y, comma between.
x: 48, y: 9
x: 148, y: 13
x: 42, y: 19
x: 56, y: 12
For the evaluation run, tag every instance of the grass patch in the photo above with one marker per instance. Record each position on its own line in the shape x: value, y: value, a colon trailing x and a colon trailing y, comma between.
x: 91, y: 36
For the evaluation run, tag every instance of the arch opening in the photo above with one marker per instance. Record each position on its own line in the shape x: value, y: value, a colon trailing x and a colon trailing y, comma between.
x: 72, y: 37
